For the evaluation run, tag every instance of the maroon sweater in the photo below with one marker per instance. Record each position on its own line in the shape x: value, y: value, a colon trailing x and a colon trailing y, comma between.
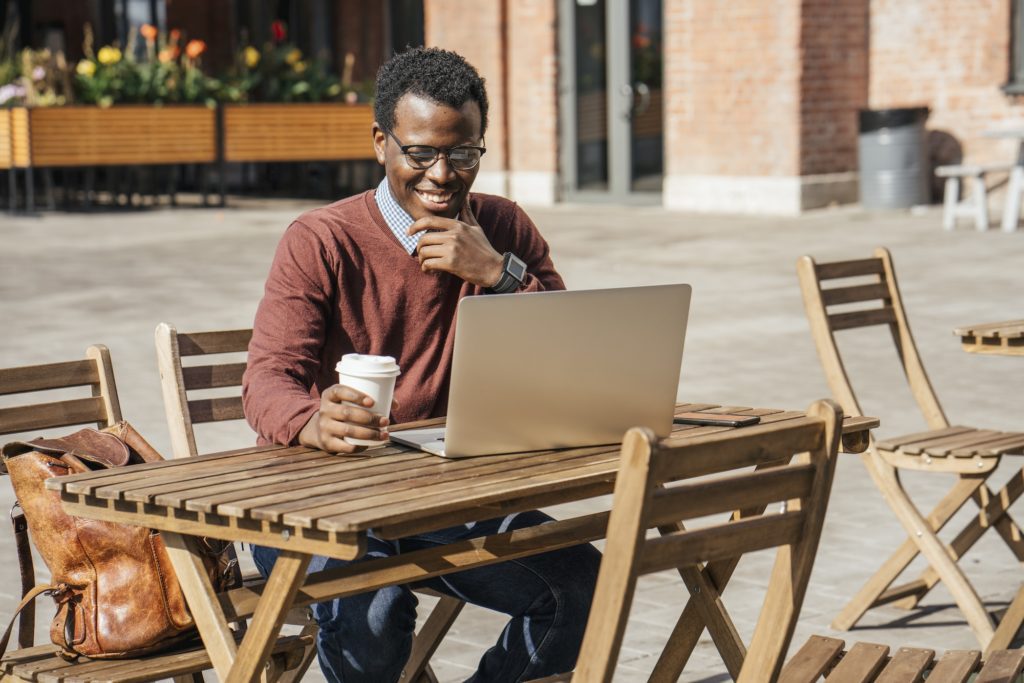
x: 342, y: 283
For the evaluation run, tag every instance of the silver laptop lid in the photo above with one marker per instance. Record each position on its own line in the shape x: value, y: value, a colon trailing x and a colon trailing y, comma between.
x: 557, y: 369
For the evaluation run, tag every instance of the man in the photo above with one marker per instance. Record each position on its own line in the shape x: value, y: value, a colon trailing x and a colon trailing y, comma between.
x: 382, y: 273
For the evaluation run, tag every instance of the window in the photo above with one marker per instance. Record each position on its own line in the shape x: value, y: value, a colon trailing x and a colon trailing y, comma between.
x: 1015, y: 83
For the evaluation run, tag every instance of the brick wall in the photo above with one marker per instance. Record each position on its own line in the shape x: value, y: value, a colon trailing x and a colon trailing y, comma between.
x: 474, y: 29
x: 532, y: 85
x: 732, y: 78
x: 953, y: 56
x: 833, y: 83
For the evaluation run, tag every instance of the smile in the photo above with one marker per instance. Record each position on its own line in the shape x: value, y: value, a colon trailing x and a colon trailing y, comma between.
x: 439, y: 199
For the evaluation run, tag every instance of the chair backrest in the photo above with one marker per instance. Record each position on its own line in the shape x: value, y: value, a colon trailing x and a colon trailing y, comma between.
x: 176, y: 381
x: 865, y: 281
x: 94, y: 371
x: 642, y: 501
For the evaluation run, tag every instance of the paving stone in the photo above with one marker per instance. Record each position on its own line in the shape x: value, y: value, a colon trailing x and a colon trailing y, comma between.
x: 70, y: 280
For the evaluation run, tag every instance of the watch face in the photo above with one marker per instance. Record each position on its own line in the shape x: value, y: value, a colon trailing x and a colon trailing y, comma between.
x: 516, y: 268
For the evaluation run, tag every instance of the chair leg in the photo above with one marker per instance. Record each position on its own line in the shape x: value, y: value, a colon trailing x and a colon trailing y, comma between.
x: 430, y: 636
x: 877, y: 590
x: 950, y: 199
x: 980, y: 199
x: 1011, y: 210
x: 992, y: 512
x: 935, y: 552
x: 308, y: 655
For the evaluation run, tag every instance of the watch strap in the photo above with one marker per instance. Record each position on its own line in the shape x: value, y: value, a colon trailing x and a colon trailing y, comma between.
x: 512, y: 275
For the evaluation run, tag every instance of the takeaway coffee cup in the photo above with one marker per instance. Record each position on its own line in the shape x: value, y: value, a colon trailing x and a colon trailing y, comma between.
x: 375, y: 377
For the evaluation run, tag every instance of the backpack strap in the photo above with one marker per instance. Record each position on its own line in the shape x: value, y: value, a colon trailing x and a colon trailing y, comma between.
x: 26, y: 601
x: 27, y: 623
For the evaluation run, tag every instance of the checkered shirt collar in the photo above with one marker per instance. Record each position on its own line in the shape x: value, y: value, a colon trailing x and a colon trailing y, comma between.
x: 396, y: 217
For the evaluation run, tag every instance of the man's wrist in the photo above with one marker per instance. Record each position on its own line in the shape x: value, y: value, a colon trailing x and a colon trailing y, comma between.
x: 513, y: 273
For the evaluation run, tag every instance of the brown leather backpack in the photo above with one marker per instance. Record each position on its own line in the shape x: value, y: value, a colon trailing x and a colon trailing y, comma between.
x: 115, y: 589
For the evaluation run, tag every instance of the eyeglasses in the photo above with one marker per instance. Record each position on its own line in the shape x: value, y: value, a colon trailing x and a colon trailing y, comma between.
x: 461, y: 158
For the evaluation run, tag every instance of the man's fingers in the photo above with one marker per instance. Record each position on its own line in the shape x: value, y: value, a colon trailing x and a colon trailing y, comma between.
x: 339, y: 392
x: 430, y: 223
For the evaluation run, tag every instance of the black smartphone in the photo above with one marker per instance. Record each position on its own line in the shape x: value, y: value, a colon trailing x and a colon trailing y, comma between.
x: 716, y: 419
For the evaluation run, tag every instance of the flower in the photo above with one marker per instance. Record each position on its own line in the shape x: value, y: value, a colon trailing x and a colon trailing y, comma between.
x: 293, y: 57
x: 86, y: 68
x: 195, y: 48
x: 38, y: 73
x: 174, y: 36
x: 299, y: 67
x: 252, y: 57
x: 169, y: 54
x: 148, y: 32
x: 10, y: 92
x: 278, y: 30
x: 108, y: 55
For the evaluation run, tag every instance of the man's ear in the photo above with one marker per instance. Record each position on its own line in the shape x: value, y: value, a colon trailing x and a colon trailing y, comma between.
x: 380, y: 139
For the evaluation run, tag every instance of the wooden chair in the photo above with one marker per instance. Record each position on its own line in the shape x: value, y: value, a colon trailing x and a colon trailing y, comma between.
x: 643, y: 501
x: 968, y: 453
x: 184, y: 412
x: 42, y: 411
x: 868, y: 662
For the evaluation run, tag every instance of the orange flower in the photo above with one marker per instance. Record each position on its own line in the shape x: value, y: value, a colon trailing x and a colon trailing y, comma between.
x: 148, y: 32
x: 169, y: 54
x: 174, y: 36
x: 195, y: 48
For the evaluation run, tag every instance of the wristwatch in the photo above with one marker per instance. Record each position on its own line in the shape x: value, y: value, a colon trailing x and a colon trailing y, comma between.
x: 512, y: 275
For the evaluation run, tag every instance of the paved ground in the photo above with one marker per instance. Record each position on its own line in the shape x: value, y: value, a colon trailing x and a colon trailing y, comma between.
x: 69, y: 280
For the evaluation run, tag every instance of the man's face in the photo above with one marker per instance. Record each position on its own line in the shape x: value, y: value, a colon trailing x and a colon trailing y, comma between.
x: 441, y: 189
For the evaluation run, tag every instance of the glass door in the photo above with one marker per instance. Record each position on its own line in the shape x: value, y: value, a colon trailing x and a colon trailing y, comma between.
x: 610, y: 99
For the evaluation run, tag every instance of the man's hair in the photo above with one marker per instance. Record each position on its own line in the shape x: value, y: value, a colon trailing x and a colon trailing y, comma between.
x: 439, y: 75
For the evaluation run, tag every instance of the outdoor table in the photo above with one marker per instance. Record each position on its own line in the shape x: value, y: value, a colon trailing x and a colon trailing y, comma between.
x: 1011, y: 209
x: 1005, y: 338
x: 306, y: 502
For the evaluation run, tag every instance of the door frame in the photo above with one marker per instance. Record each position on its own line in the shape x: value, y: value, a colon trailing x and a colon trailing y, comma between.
x: 619, y: 102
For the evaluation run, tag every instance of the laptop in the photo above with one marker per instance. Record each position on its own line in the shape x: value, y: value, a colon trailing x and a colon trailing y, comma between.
x: 545, y: 370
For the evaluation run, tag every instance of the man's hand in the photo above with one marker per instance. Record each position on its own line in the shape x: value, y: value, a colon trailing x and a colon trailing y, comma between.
x: 343, y: 412
x: 458, y: 247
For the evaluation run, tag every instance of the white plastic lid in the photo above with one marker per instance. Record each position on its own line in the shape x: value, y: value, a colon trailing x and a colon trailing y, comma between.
x: 358, y: 364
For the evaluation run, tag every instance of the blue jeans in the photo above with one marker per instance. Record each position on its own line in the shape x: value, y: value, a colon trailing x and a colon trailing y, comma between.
x: 368, y: 637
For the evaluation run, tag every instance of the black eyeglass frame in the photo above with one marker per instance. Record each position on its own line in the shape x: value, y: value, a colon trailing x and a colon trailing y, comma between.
x: 438, y: 151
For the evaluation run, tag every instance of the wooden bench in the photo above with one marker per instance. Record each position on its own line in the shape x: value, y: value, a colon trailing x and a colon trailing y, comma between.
x: 974, y: 205
x: 866, y: 662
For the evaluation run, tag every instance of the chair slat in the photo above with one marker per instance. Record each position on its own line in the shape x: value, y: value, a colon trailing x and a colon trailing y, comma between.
x: 50, y: 376
x: 227, y: 341
x: 907, y: 666
x: 215, y: 409
x: 213, y: 376
x: 849, y: 295
x: 1013, y: 442
x: 748, y: 446
x: 956, y: 666
x: 812, y: 660
x: 48, y: 415
x: 861, y: 663
x: 720, y: 541
x: 944, y: 444
x: 895, y: 442
x: 726, y: 494
x: 838, y: 269
x: 872, y: 316
x: 1002, y: 665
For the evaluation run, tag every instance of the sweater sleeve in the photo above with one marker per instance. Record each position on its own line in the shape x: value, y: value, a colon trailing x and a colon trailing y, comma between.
x: 288, y: 337
x: 530, y: 246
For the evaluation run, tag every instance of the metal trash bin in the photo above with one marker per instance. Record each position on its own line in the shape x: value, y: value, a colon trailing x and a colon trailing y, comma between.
x: 893, y: 158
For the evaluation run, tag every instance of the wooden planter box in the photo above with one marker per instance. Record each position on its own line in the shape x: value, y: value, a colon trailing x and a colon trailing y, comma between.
x: 6, y: 160
x: 297, y: 132
x: 120, y: 135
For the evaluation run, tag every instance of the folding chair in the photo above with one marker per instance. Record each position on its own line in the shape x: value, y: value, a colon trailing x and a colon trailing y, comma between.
x: 969, y: 453
x: 184, y: 411
x: 642, y: 501
x: 44, y: 411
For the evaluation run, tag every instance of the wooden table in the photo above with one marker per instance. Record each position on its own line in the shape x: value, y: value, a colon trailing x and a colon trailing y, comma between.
x: 1005, y: 338
x: 307, y: 502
